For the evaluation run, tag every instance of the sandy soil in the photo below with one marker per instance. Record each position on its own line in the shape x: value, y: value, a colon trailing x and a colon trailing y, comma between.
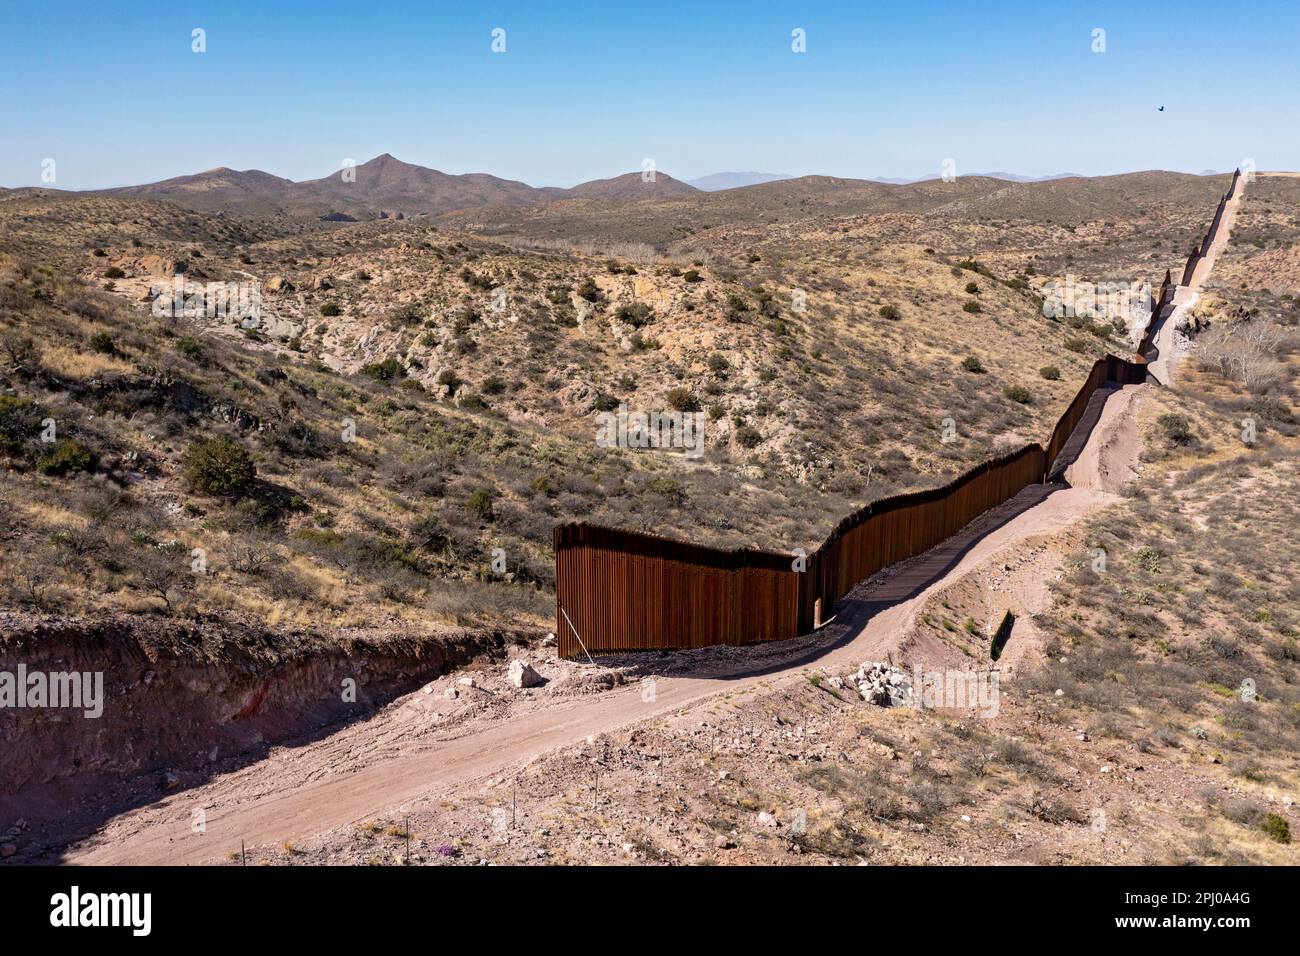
x: 415, y: 749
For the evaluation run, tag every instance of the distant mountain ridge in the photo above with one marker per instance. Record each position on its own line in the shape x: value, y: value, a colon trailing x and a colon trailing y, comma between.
x: 382, y: 187
x: 386, y: 187
x: 716, y: 182
x: 1008, y: 177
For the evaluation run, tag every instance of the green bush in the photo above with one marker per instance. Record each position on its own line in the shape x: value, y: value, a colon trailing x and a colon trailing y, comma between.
x: 1018, y: 393
x: 1176, y: 427
x: 1050, y: 372
x: 971, y: 364
x: 472, y: 403
x: 589, y: 290
x: 637, y: 314
x: 748, y: 437
x: 972, y: 288
x: 192, y: 349
x: 494, y: 385
x: 890, y: 312
x: 449, y: 378
x: 113, y: 272
x: 65, y: 458
x: 1275, y: 827
x: 667, y: 488
x: 331, y: 309
x: 218, y: 466
x: 385, y: 371
x: 102, y: 342
x: 480, y: 504
x: 972, y: 306
x: 692, y: 275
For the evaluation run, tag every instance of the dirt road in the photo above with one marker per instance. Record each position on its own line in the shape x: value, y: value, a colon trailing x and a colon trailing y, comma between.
x: 395, y: 758
x: 1171, y: 344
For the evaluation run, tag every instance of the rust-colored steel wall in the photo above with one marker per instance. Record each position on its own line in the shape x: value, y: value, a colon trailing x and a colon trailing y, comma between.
x: 622, y: 591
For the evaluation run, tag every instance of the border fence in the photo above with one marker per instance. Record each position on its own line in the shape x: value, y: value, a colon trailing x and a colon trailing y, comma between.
x: 619, y: 591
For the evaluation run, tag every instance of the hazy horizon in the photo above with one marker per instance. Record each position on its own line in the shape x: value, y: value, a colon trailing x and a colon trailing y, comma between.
x: 888, y: 180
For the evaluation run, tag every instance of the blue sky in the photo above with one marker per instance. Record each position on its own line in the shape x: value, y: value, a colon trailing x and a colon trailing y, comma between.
x: 113, y: 93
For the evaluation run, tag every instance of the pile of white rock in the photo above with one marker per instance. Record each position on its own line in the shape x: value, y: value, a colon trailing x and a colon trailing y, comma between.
x: 883, y: 684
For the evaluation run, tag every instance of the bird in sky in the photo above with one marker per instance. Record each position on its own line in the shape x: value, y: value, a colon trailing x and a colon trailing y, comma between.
x: 1160, y: 109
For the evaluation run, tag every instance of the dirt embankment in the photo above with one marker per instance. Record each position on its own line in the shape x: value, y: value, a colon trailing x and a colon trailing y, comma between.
x: 184, y: 695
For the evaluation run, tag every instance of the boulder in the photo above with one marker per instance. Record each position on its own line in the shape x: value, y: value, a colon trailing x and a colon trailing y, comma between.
x: 278, y: 284
x: 521, y: 674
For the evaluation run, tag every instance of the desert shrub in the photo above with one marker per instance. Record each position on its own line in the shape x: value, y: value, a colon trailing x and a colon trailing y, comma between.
x: 385, y: 371
x: 479, y: 504
x: 588, y: 290
x: 428, y: 534
x: 748, y: 436
x: 692, y: 275
x: 406, y: 315
x: 1050, y: 372
x: 1018, y: 393
x: 636, y: 314
x: 1175, y: 427
x: 972, y: 288
x: 113, y: 272
x: 604, y: 402
x: 20, y: 421
x: 65, y: 458
x: 667, y: 488
x: 192, y: 349
x: 472, y: 403
x: 1277, y: 828
x: 449, y: 378
x: 972, y: 306
x: 218, y: 466
x: 19, y: 351
x: 890, y: 312
x: 682, y: 399
x: 102, y: 343
x: 330, y: 309
x: 971, y: 364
